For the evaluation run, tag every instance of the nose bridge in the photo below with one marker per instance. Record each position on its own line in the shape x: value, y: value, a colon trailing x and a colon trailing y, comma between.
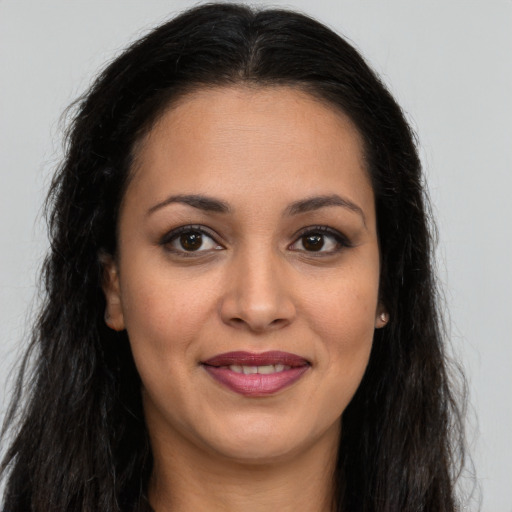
x: 258, y: 297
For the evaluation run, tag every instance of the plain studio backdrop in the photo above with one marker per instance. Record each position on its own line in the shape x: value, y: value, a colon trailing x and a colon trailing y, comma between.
x: 448, y: 63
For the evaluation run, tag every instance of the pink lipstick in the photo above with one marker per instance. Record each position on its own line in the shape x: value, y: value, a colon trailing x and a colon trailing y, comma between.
x: 252, y: 374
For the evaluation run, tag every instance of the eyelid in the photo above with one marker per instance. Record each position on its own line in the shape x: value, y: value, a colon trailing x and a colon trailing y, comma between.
x: 175, y: 233
x: 340, y: 238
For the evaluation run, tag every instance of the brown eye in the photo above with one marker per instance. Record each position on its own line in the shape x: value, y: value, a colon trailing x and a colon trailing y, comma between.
x: 187, y: 240
x: 313, y: 242
x: 191, y: 241
x: 320, y: 239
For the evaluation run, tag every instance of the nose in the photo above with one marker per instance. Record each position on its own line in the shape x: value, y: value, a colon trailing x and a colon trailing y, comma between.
x: 258, y: 296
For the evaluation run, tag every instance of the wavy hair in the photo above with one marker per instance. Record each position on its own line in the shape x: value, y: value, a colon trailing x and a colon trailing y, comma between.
x: 79, y: 441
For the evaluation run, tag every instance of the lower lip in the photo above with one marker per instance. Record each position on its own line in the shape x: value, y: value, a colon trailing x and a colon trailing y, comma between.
x: 255, y: 384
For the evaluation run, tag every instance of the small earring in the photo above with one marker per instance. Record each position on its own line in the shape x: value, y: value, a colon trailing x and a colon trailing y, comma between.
x: 107, y: 317
x: 384, y: 318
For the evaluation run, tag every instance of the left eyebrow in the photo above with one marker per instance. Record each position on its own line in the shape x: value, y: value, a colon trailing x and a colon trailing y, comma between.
x: 317, y: 202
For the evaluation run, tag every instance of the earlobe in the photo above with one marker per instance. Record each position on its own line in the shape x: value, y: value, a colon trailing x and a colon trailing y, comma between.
x: 382, y: 317
x: 110, y: 284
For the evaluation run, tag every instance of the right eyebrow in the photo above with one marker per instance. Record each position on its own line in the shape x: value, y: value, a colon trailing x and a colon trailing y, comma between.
x: 205, y: 203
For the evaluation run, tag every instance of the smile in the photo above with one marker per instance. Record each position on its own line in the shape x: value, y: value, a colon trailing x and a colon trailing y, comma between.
x: 264, y: 370
x: 256, y: 375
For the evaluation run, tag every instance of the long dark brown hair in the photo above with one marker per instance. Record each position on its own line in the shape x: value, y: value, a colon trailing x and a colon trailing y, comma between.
x: 79, y: 441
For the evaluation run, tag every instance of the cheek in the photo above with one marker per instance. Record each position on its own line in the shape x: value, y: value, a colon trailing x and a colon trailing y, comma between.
x: 163, y: 316
x: 162, y: 322
x: 345, y: 304
x: 344, y: 319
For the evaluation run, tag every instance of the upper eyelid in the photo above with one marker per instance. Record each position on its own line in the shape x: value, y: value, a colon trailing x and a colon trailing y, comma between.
x: 341, y: 240
x: 323, y: 229
x: 173, y: 233
x: 168, y: 240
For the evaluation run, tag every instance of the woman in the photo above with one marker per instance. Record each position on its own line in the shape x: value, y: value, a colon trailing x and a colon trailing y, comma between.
x: 241, y: 311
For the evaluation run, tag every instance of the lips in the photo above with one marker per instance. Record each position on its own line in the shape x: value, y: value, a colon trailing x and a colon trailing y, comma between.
x: 252, y: 374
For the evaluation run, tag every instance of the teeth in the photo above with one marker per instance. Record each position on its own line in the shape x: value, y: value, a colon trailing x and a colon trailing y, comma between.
x: 270, y: 368
x: 264, y: 370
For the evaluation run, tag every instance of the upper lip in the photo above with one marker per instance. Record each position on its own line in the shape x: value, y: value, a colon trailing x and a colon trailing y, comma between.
x: 242, y: 358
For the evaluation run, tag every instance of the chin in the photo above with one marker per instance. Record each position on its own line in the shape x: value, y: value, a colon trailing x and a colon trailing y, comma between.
x: 259, y: 452
x: 266, y: 442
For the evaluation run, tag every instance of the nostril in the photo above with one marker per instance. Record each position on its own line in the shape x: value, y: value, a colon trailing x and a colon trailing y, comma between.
x: 257, y: 312
x: 258, y: 326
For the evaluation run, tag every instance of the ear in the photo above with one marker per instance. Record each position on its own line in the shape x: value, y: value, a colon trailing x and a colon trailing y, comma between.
x: 381, y: 317
x: 110, y: 283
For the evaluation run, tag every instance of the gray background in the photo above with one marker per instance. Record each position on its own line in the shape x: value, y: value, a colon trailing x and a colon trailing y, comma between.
x: 449, y: 65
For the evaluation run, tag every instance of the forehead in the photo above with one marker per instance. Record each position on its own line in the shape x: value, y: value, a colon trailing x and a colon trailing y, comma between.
x: 252, y: 106
x: 230, y: 140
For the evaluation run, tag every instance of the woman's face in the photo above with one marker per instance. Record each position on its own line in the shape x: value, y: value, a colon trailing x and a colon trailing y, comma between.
x: 247, y: 273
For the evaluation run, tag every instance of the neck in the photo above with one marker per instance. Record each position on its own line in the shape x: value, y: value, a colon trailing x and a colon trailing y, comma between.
x: 191, y: 480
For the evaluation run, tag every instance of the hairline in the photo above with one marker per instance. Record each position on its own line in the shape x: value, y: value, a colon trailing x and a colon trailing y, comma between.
x: 183, y: 92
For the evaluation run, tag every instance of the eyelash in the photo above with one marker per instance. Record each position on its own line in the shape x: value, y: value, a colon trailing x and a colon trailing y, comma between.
x: 174, y: 235
x: 340, y: 240
x: 324, y: 232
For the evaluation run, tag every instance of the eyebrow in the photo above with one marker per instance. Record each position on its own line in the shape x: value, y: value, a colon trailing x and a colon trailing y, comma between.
x: 317, y: 202
x: 209, y: 204
x: 205, y: 203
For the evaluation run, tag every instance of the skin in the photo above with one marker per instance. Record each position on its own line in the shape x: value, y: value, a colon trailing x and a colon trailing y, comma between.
x: 253, y: 285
